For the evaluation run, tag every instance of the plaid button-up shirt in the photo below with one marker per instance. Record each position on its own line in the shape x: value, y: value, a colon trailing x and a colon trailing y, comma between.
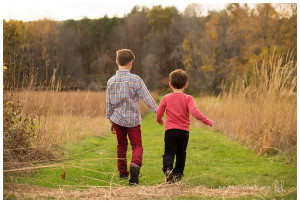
x: 124, y: 90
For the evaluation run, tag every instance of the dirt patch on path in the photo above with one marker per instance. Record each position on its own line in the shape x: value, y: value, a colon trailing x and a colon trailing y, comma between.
x: 162, y: 191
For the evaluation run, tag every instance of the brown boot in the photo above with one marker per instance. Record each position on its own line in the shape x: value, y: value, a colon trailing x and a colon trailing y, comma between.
x: 169, y: 176
x: 177, y: 177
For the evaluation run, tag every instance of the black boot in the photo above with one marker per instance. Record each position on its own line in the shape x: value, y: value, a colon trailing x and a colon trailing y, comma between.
x: 134, y: 175
x: 123, y: 176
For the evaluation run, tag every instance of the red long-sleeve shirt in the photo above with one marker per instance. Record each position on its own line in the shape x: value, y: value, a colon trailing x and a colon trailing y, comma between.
x: 178, y: 106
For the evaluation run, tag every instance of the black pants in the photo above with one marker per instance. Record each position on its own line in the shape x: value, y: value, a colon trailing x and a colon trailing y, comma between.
x: 175, y: 144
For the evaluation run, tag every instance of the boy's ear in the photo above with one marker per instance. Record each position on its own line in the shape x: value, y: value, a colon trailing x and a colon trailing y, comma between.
x: 186, y: 85
x: 170, y: 85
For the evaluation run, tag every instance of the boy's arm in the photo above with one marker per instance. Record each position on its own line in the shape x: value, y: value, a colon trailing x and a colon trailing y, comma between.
x: 160, y: 111
x: 196, y: 113
x: 109, y: 109
x: 112, y: 127
x: 146, y: 97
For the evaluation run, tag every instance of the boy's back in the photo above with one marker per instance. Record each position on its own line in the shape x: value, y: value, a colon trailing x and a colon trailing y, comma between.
x: 123, y: 110
x: 178, y: 106
x: 123, y: 93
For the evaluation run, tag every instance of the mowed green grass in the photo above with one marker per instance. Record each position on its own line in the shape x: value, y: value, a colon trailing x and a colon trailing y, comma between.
x: 212, y: 160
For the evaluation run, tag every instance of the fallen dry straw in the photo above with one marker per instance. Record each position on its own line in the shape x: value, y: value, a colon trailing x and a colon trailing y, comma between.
x: 162, y: 191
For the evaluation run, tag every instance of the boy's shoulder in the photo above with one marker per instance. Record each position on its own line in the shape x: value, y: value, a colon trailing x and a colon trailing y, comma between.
x: 129, y: 76
x: 167, y: 95
x: 189, y: 97
x: 171, y: 96
x: 181, y: 94
x: 110, y: 80
x: 135, y: 76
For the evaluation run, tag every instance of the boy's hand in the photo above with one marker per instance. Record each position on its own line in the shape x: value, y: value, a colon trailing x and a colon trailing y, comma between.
x: 212, y: 122
x: 161, y: 122
x: 112, y: 129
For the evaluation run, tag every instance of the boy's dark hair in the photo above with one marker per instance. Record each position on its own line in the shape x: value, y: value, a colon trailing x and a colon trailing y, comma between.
x: 178, y: 78
x: 124, y: 56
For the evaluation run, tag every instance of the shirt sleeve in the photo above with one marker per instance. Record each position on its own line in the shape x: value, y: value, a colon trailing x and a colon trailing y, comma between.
x: 196, y: 113
x: 161, y: 110
x: 146, y: 97
x: 109, y: 109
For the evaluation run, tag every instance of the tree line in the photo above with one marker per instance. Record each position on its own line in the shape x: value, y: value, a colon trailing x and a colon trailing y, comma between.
x: 80, y: 54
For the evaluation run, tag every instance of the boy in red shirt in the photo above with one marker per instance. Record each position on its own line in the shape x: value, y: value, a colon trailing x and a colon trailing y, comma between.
x: 178, y: 106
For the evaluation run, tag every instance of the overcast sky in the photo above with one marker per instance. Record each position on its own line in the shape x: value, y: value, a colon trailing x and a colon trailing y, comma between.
x: 28, y: 10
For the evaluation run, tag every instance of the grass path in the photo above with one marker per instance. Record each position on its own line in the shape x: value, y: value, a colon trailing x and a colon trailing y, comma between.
x: 215, y: 166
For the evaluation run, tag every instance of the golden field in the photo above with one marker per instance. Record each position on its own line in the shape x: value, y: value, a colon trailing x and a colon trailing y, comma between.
x: 261, y: 112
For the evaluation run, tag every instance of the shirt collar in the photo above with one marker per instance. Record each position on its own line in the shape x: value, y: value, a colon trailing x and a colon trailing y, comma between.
x: 122, y: 71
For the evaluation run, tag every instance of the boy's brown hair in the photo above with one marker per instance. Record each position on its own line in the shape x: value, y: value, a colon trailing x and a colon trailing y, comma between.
x: 124, y: 56
x: 178, y: 78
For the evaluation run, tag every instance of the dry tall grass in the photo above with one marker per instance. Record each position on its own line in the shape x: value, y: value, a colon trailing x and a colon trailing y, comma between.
x: 67, y: 116
x: 261, y: 112
x: 75, y: 103
x: 49, y: 103
x: 61, y: 117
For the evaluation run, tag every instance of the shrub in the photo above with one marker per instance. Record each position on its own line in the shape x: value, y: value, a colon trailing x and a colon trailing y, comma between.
x: 19, y: 133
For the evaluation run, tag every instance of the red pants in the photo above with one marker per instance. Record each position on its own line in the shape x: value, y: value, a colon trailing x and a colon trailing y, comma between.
x: 134, y: 135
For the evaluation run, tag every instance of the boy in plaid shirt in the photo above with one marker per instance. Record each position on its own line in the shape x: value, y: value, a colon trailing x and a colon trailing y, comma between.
x: 124, y: 90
